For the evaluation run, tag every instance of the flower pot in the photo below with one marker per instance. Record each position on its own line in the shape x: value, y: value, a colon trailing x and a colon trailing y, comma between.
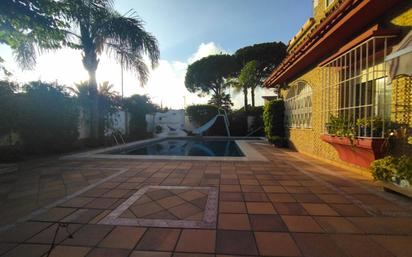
x: 360, y: 151
x: 387, y: 186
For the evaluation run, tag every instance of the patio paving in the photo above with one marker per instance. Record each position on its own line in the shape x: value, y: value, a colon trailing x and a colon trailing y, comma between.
x: 291, y: 206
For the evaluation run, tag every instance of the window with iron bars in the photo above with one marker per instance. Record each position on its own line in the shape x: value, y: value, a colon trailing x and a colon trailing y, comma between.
x: 356, y: 94
x: 298, y: 106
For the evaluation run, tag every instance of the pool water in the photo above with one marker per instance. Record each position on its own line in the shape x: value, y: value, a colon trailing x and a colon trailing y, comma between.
x: 187, y: 147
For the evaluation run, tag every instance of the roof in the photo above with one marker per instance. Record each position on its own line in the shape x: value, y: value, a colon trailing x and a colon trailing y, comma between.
x: 346, y: 18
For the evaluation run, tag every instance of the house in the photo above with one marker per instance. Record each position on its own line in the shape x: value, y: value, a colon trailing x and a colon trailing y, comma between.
x: 346, y: 81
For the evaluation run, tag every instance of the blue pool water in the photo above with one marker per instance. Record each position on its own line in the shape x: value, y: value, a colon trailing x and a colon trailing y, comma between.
x: 187, y: 147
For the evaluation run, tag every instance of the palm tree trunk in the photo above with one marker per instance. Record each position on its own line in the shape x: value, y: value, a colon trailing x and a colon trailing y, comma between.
x: 90, y: 63
x: 252, y: 91
x: 245, y: 98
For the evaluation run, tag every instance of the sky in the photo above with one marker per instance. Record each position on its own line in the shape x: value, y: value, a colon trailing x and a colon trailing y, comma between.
x: 186, y: 30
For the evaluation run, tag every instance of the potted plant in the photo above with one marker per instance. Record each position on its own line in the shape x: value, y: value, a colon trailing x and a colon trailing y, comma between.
x: 395, y: 174
x: 349, y: 139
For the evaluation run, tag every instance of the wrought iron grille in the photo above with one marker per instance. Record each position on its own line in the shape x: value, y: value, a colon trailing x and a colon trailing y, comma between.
x: 356, y: 93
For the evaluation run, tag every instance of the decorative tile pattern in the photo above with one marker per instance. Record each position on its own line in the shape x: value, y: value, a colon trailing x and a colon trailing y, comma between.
x: 167, y: 206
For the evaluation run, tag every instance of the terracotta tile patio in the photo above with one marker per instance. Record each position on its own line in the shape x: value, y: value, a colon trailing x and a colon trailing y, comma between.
x: 290, y: 206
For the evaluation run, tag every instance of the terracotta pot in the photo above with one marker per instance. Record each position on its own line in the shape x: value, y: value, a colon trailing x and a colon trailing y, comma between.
x: 361, y: 151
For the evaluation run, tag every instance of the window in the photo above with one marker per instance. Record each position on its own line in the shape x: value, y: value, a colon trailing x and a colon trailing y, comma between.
x: 298, y: 106
x: 356, y: 90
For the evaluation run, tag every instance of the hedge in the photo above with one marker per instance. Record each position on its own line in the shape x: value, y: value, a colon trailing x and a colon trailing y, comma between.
x: 273, y: 119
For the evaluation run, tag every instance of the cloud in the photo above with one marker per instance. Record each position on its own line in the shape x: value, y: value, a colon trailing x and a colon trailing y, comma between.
x: 204, y: 50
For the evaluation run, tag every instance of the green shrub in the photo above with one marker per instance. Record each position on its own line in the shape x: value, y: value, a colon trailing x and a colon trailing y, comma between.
x: 201, y: 113
x: 138, y: 106
x: 393, y: 169
x: 10, y: 153
x: 48, y: 119
x: 273, y: 118
x: 281, y: 142
x: 257, y: 113
x: 8, y: 108
x: 238, y: 123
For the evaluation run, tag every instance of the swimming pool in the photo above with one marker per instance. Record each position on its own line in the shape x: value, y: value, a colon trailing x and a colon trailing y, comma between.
x: 186, y: 147
x: 180, y: 148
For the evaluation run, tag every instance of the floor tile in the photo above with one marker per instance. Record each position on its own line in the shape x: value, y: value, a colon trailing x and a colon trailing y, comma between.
x: 281, y: 198
x: 301, y: 224
x: 230, y: 196
x: 317, y: 245
x: 319, y: 209
x: 191, y: 195
x: 383, y: 225
x: 267, y: 223
x: 232, y: 207
x: 360, y: 246
x: 290, y: 208
x: 233, y: 221
x: 108, y: 252
x: 89, y: 235
x: 235, y: 242
x: 170, y: 201
x: 122, y: 237
x: 276, y: 244
x: 23, y: 231
x: 184, y: 210
x: 150, y: 254
x: 197, y: 241
x: 28, y: 250
x: 398, y: 245
x: 145, y: 209
x: 274, y: 189
x: 260, y: 208
x: 69, y: 251
x: 337, y: 225
x: 159, y: 239
x: 193, y: 255
x: 255, y: 197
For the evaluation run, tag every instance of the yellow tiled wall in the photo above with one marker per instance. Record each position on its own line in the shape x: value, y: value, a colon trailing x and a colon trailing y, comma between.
x: 308, y: 140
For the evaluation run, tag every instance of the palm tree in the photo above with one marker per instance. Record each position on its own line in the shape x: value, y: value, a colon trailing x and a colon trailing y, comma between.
x: 108, y: 102
x: 95, y: 27
x: 249, y: 78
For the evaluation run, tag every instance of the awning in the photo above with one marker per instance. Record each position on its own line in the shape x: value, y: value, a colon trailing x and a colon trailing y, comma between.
x: 400, y: 60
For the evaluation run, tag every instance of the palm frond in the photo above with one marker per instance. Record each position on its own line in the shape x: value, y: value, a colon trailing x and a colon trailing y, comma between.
x: 25, y: 55
x: 126, y: 39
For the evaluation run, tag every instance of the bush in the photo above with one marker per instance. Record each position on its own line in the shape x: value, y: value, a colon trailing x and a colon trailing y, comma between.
x: 138, y: 106
x: 273, y: 119
x: 281, y: 142
x: 48, y: 119
x: 201, y: 113
x: 238, y: 123
x: 8, y: 108
x: 393, y: 169
x: 10, y: 153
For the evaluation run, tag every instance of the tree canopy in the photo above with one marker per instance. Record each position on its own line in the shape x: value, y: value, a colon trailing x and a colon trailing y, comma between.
x: 267, y: 55
x: 208, y: 74
x: 29, y: 24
